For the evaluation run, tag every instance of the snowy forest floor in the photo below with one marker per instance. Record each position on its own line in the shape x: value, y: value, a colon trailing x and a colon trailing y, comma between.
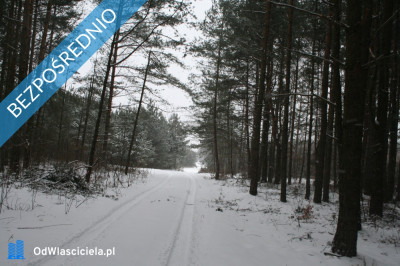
x: 185, y: 218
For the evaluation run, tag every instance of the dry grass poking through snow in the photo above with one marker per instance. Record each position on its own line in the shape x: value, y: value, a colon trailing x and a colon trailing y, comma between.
x: 66, y: 180
x: 302, y: 222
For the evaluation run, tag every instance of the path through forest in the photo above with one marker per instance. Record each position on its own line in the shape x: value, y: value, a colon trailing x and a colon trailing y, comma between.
x: 179, y: 218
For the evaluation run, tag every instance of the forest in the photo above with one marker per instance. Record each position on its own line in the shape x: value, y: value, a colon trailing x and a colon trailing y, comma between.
x: 83, y: 121
x: 304, y: 90
x: 285, y: 92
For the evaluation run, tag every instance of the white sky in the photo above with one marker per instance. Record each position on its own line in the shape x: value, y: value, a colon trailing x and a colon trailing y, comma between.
x: 176, y: 97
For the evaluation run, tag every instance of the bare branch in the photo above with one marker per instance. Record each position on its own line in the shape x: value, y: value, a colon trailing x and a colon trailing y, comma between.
x: 311, y: 13
x: 304, y: 95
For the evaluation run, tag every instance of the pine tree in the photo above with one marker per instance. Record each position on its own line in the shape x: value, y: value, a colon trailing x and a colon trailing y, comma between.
x: 345, y: 240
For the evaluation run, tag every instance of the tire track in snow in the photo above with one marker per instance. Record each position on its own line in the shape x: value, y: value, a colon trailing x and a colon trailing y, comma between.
x: 99, y: 226
x: 179, y: 251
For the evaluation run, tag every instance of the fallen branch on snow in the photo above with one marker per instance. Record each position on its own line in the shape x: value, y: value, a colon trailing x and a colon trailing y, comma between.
x: 40, y: 227
x: 332, y: 254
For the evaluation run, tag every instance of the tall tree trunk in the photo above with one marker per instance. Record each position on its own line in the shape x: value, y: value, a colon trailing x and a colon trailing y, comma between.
x: 30, y: 125
x: 320, y: 161
x: 98, y: 121
x: 43, y: 42
x: 264, y: 143
x: 394, y: 112
x: 334, y: 94
x: 36, y: 134
x: 398, y: 186
x: 278, y: 114
x: 33, y: 38
x: 278, y: 161
x: 292, y: 125
x: 88, y: 104
x: 25, y: 40
x: 3, y: 7
x: 379, y: 180
x: 6, y: 77
x: 305, y: 142
x: 328, y: 149
x: 255, y: 141
x: 60, y: 124
x: 240, y: 159
x: 274, y: 138
x: 133, y: 136
x: 285, y: 135
x: 23, y: 64
x: 247, y: 122
x: 336, y: 85
x: 110, y: 98
x: 310, y: 123
x: 215, y: 115
x: 229, y: 132
x: 264, y: 157
x: 78, y: 134
x: 345, y: 240
x: 369, y: 140
x: 14, y: 32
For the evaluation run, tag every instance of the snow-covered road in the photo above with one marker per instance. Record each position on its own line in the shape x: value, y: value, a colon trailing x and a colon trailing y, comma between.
x: 175, y: 218
x: 152, y: 228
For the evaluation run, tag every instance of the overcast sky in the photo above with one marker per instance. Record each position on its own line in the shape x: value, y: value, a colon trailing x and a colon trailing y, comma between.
x: 177, y: 98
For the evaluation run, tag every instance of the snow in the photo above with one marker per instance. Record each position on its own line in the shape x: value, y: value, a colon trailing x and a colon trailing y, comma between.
x: 185, y: 218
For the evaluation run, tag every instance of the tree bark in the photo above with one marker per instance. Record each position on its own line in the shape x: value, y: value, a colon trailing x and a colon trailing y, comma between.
x: 320, y: 161
x: 336, y: 85
x: 23, y: 66
x: 334, y: 94
x: 278, y: 114
x: 25, y: 40
x: 99, y: 114
x: 215, y: 116
x: 345, y: 240
x: 6, y: 78
x: 305, y: 142
x: 43, y: 42
x: 264, y: 157
x: 285, y: 135
x: 230, y: 132
x: 255, y: 141
x: 247, y: 122
x: 87, y: 113
x: 292, y: 125
x: 264, y: 143
x: 60, y: 150
x: 42, y: 50
x: 310, y: 123
x: 128, y: 160
x: 33, y: 38
x: 394, y: 113
x: 379, y: 180
x: 110, y: 99
x: 274, y: 133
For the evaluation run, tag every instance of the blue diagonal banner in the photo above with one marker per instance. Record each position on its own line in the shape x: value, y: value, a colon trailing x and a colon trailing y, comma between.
x: 63, y: 62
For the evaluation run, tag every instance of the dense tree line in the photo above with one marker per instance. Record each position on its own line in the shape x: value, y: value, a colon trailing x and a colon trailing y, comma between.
x: 294, y: 90
x: 83, y: 121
